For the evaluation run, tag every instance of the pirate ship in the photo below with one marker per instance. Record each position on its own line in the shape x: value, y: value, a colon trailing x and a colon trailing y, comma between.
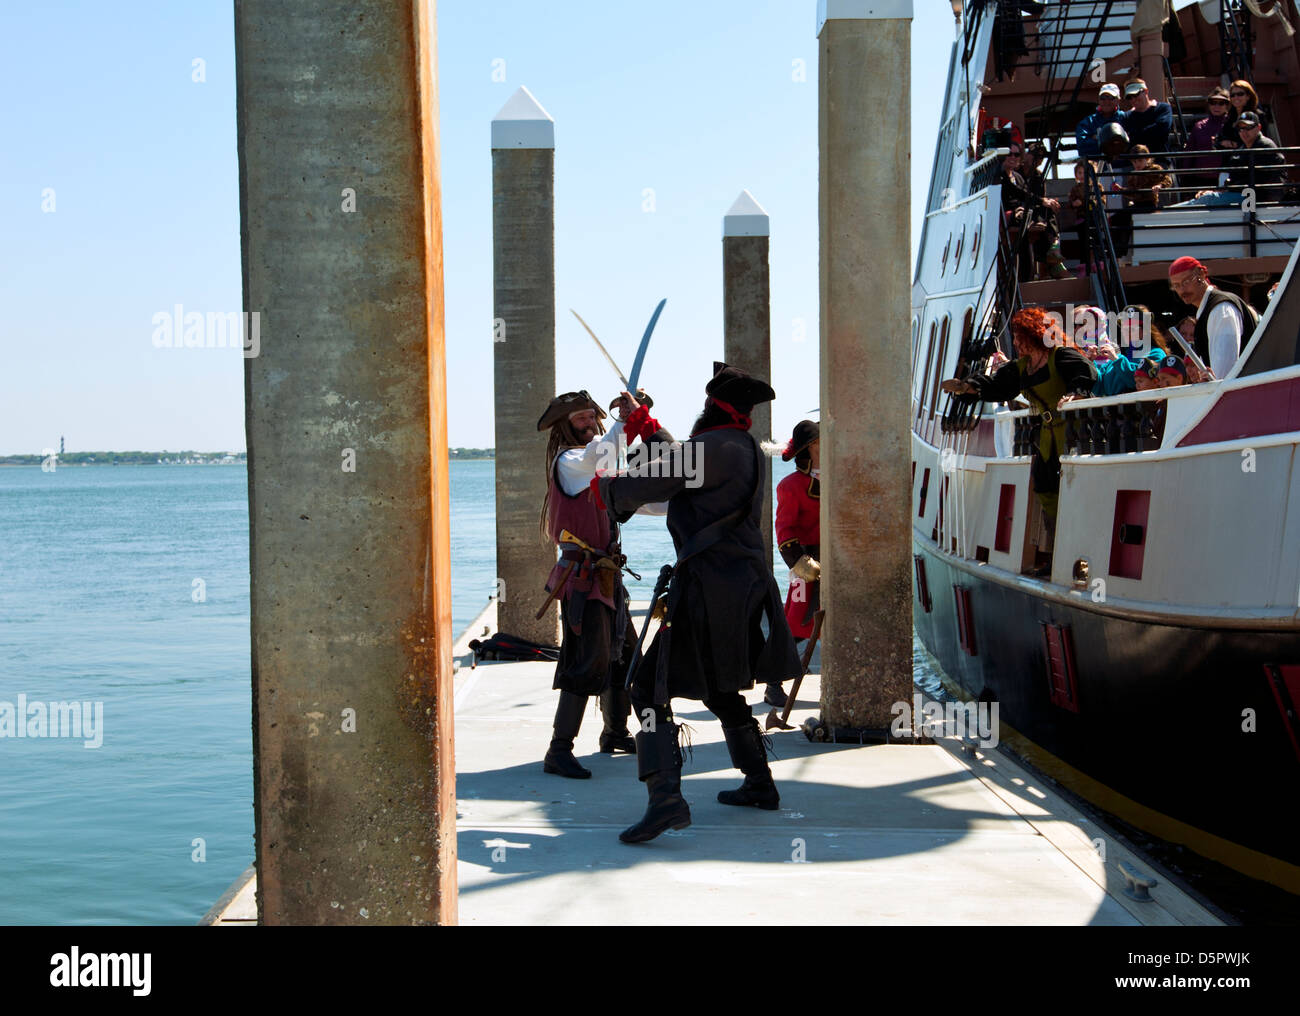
x: 1147, y: 653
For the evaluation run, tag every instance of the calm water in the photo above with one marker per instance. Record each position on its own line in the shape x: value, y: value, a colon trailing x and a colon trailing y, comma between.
x: 98, y: 570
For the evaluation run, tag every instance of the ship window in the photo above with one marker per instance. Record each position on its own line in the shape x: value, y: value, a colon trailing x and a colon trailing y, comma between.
x: 925, y: 489
x: 943, y: 260
x: 975, y: 246
x: 956, y: 255
x: 922, y: 587
x: 924, y: 376
x: 965, y: 621
x: 1006, y: 517
x: 1058, y: 645
x: 938, y: 367
x: 916, y: 331
x: 1128, y: 535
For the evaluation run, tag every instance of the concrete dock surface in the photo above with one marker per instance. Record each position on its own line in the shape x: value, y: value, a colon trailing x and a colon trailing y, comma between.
x: 866, y: 834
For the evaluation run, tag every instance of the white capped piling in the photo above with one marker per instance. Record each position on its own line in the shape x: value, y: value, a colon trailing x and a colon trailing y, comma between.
x: 864, y: 97
x: 523, y: 293
x: 341, y: 212
x: 747, y: 314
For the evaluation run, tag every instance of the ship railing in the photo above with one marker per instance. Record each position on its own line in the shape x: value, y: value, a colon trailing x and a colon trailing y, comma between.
x: 987, y: 171
x: 1264, y: 218
x: 1115, y: 425
x: 1102, y: 264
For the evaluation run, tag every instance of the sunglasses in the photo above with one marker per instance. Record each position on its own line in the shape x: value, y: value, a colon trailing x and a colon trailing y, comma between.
x: 1218, y: 102
x: 1237, y: 95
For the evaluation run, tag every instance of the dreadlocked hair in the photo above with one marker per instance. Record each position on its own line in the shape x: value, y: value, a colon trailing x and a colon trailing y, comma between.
x: 562, y: 437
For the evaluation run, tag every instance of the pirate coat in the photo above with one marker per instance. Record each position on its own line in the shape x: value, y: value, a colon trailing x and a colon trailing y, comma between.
x: 798, y: 532
x: 723, y: 597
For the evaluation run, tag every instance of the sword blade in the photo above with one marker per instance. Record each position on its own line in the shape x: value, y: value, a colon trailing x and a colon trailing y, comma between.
x: 601, y: 346
x: 635, y: 377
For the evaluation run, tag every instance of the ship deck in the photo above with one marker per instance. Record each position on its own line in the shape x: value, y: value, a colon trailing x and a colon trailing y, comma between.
x: 876, y: 834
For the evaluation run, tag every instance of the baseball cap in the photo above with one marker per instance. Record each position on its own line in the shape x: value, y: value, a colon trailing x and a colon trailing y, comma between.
x: 1111, y: 90
x: 1248, y: 119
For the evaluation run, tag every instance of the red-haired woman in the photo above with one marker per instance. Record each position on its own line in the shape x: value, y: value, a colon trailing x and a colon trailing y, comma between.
x: 1044, y: 371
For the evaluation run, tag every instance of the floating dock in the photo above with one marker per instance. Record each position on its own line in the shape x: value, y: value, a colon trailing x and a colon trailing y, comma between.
x: 866, y: 834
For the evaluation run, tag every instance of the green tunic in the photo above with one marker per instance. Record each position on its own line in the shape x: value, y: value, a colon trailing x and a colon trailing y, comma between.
x: 1067, y: 372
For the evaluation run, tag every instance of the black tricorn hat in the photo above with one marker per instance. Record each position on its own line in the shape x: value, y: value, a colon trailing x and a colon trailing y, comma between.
x: 570, y: 402
x: 805, y: 433
x: 641, y: 397
x: 738, y: 387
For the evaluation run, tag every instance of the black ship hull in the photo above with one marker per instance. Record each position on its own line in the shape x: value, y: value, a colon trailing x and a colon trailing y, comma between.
x: 1180, y: 731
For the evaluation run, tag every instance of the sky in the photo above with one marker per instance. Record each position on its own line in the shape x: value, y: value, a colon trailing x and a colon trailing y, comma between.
x: 120, y: 188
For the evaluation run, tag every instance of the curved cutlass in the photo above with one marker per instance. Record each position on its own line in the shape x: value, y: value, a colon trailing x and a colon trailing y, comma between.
x: 635, y: 376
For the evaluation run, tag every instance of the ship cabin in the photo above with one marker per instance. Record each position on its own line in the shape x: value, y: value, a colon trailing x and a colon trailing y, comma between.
x: 1022, y: 77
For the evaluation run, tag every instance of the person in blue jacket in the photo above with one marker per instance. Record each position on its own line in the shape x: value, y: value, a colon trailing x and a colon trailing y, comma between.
x: 1085, y: 135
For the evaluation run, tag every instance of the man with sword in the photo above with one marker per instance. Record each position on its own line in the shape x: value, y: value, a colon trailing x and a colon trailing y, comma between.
x: 598, y: 638
x: 711, y: 644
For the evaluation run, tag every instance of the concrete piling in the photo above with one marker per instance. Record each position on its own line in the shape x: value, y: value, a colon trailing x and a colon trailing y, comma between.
x: 747, y: 314
x: 347, y: 463
x: 865, y: 247
x: 523, y: 274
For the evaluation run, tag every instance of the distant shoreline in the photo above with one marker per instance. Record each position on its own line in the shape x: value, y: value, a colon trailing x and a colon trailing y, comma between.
x: 81, y: 459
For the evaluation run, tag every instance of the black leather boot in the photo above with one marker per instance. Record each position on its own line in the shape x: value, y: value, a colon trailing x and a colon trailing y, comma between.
x: 615, y: 704
x: 747, y: 754
x: 659, y: 764
x: 774, y: 695
x: 568, y: 720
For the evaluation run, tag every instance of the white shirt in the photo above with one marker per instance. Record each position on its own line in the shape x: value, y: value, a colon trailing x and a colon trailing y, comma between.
x: 576, y: 467
x: 1223, y: 327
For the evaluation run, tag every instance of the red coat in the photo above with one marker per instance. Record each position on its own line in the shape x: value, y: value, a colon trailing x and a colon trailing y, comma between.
x: 798, y: 532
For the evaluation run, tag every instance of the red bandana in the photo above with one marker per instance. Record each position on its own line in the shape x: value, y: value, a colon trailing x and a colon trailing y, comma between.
x: 739, y: 421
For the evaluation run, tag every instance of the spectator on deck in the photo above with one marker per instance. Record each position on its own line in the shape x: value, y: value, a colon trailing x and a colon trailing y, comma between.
x: 1171, y: 372
x: 1203, y: 169
x: 1120, y: 375
x: 1139, y: 334
x: 1146, y: 122
x: 1257, y: 162
x: 1244, y: 99
x: 1085, y: 135
x: 1037, y: 216
x: 1142, y: 189
x: 1221, y: 320
x: 1252, y: 162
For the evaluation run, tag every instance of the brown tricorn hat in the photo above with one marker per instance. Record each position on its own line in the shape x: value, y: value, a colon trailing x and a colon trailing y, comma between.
x: 738, y: 387
x: 563, y: 406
